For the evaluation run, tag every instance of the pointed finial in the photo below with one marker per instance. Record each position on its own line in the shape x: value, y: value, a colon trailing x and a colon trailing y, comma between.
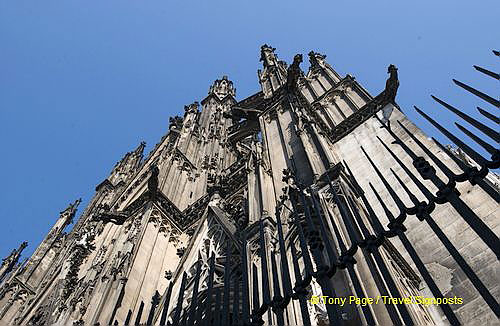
x: 193, y: 107
x: 222, y: 87
x: 70, y: 211
x: 22, y: 246
x: 140, y: 149
x: 13, y: 258
x: 316, y: 59
x: 267, y: 55
x: 77, y: 202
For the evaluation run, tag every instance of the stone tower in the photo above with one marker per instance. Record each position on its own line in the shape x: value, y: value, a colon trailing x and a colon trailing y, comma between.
x: 245, y: 210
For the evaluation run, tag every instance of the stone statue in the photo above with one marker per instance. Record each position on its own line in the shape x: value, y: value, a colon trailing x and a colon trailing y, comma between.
x: 316, y: 59
x: 391, y: 85
x: 294, y: 73
x: 175, y: 122
x: 153, y: 179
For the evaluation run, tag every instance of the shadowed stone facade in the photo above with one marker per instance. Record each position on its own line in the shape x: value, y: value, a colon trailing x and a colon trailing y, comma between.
x: 231, y: 193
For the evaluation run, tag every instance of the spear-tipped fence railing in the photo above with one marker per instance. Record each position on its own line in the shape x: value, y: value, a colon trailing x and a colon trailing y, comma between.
x: 258, y: 292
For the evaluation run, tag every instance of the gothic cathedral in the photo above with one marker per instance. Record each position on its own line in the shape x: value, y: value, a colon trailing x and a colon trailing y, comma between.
x: 296, y: 205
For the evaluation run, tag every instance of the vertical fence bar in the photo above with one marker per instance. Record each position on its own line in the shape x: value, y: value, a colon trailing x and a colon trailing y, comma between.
x: 155, y: 300
x: 139, y: 314
x: 245, y: 292
x: 129, y: 316
x: 217, y: 312
x: 447, y: 194
x: 210, y: 290
x: 420, y: 265
x: 372, y: 247
x: 332, y: 257
x: 300, y: 287
x: 227, y: 271
x: 236, y: 301
x: 194, y: 297
x: 180, y: 298
x: 166, y: 302
x: 321, y: 276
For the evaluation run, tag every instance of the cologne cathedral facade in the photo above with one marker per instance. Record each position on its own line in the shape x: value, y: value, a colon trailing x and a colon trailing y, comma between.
x: 271, y: 209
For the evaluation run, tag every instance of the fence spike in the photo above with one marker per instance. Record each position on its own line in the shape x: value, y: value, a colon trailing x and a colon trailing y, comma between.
x: 395, y: 197
x: 166, y: 302
x: 493, y: 134
x: 129, y: 316
x: 447, y: 171
x: 488, y: 115
x: 155, y: 300
x: 180, y: 299
x: 471, y: 173
x: 447, y: 193
x: 487, y: 72
x: 419, y: 263
x: 426, y: 192
x: 479, y: 94
x: 372, y: 218
x: 469, y: 151
x: 490, y: 149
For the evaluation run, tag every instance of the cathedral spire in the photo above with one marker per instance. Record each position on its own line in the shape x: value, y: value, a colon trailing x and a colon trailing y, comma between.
x: 70, y: 212
x: 40, y: 261
x: 127, y: 165
x: 140, y: 149
x: 138, y: 152
x: 10, y: 261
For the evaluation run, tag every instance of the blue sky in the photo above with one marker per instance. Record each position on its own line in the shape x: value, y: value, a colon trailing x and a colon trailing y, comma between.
x: 83, y: 82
